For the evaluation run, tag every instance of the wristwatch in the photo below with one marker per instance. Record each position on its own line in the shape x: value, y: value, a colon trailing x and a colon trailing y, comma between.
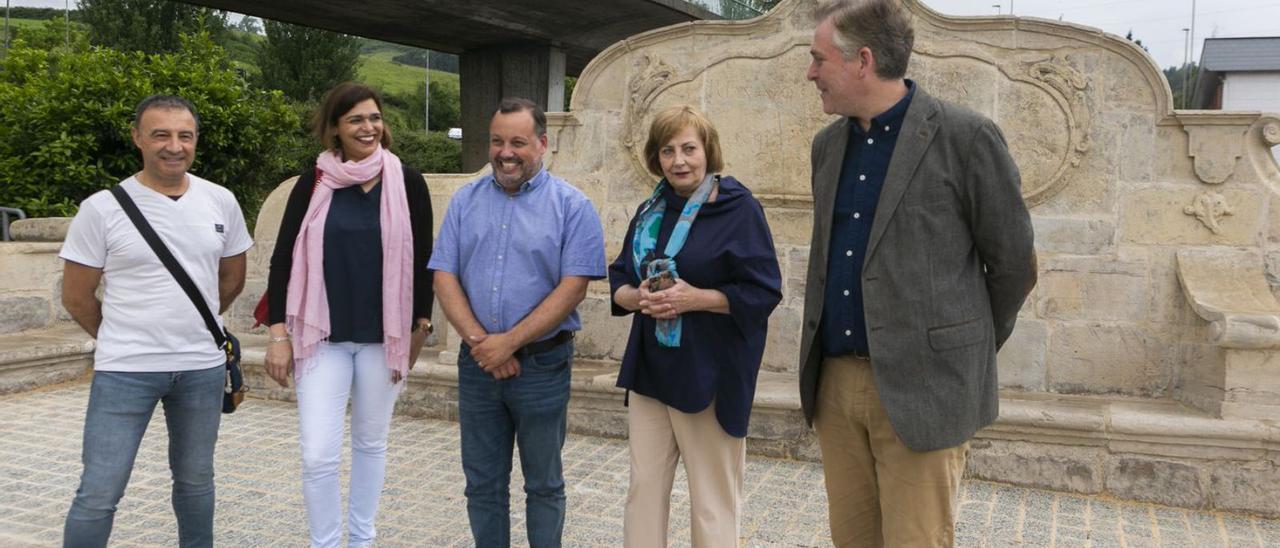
x: 424, y: 325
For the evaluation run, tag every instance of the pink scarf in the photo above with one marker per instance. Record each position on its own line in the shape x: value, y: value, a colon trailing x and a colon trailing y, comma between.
x: 307, y: 307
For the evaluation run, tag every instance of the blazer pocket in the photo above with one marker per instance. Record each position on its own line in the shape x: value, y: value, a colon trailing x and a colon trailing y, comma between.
x: 958, y: 335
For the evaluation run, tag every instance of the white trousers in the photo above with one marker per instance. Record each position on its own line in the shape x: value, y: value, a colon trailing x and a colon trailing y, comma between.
x: 355, y: 372
x: 713, y: 460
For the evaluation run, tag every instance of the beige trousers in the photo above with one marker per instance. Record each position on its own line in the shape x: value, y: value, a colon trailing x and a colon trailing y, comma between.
x: 879, y: 492
x: 713, y: 460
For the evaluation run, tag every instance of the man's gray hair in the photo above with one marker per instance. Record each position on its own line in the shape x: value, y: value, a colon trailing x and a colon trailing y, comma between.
x: 165, y: 102
x: 882, y: 26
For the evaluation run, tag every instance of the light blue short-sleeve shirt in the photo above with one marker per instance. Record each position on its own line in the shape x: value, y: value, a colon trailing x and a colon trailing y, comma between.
x: 511, y: 251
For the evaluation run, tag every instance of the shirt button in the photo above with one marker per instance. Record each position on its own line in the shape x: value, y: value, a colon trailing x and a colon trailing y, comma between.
x: 886, y: 128
x: 504, y: 227
x: 862, y: 177
x: 495, y: 288
x: 857, y: 215
x: 848, y: 333
x: 871, y: 141
x: 846, y: 292
x: 848, y: 253
x: 499, y: 257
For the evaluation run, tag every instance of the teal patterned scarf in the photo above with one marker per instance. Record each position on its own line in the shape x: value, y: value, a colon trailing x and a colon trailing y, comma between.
x: 645, y: 240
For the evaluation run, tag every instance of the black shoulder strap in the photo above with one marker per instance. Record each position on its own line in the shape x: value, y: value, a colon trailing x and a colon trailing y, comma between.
x: 170, y: 263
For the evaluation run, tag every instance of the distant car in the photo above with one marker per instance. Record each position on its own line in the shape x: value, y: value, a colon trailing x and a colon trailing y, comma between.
x: 454, y: 133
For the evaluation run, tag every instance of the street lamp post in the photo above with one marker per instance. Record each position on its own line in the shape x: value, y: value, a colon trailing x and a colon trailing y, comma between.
x: 426, y: 97
x: 1186, y: 69
x: 997, y: 7
x: 6, y: 25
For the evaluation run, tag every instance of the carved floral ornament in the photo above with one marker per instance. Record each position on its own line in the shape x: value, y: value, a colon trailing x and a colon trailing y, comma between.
x: 1209, y: 208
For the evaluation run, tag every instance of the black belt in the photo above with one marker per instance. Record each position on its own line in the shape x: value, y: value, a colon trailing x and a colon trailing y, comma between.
x: 544, y: 345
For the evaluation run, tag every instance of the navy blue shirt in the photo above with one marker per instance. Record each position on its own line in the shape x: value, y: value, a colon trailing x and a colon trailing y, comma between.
x: 730, y: 249
x: 866, y: 163
x: 353, y: 265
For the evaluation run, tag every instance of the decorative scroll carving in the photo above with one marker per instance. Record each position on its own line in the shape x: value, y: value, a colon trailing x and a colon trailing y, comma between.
x: 1209, y: 208
x: 651, y: 77
x: 1071, y: 84
x: 1065, y: 85
x: 1271, y: 132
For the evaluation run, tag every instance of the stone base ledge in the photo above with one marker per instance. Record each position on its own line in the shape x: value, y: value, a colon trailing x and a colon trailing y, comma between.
x: 1155, y: 451
x: 40, y: 357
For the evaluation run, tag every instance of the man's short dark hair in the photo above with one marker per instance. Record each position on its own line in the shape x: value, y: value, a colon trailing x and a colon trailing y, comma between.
x: 883, y: 26
x: 520, y: 104
x: 165, y: 102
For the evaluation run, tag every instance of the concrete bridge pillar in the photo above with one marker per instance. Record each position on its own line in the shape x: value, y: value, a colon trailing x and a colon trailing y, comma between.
x: 532, y: 71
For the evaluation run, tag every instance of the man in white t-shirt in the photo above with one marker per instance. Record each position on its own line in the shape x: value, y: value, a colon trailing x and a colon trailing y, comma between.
x: 152, y: 345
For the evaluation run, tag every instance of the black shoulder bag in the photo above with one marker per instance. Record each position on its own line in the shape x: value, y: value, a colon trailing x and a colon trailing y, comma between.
x: 234, y: 388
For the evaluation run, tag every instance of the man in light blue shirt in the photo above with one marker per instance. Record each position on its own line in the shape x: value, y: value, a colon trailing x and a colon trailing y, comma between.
x: 513, y: 259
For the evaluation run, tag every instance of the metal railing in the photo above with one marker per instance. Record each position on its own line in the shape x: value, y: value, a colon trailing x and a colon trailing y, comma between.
x: 5, y: 214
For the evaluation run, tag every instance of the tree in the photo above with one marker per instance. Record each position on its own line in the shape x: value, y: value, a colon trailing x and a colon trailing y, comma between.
x: 1176, y: 76
x: 1136, y: 41
x: 149, y: 26
x: 65, y: 119
x: 305, y: 62
x: 53, y: 35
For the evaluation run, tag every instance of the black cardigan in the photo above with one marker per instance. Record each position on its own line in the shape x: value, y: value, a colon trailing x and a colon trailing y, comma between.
x: 415, y: 189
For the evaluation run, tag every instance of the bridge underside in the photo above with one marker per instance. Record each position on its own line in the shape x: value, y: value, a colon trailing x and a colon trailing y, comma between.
x: 505, y: 48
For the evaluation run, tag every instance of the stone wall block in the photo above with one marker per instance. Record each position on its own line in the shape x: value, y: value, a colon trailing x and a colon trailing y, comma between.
x: 1252, y: 384
x: 782, y: 347
x: 1021, y: 360
x: 28, y: 267
x: 790, y: 226
x: 1247, y: 487
x: 1159, y: 216
x: 1159, y: 481
x: 1199, y: 376
x: 23, y: 313
x: 1060, y: 467
x: 1137, y: 133
x: 1074, y: 236
x: 1092, y: 289
x: 1109, y: 358
x: 603, y: 336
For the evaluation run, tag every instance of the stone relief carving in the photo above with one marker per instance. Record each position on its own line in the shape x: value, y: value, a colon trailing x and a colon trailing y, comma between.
x: 1209, y: 208
x: 1055, y: 77
x: 1215, y: 150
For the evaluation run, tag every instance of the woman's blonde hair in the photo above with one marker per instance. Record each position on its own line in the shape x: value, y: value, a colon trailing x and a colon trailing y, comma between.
x: 672, y: 121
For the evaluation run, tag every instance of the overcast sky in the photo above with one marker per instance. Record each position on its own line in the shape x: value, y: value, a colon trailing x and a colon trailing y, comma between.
x: 1158, y: 23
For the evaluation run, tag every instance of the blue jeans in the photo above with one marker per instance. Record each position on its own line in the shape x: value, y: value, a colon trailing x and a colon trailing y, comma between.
x: 120, y: 406
x: 530, y: 410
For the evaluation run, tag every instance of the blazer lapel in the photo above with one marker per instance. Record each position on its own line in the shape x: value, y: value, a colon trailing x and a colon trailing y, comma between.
x: 826, y: 181
x: 918, y: 129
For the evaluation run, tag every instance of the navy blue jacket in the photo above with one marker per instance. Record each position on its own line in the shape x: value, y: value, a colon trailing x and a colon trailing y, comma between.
x: 730, y: 249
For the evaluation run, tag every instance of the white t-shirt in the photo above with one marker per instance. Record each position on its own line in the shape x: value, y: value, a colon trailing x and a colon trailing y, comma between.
x: 148, y: 323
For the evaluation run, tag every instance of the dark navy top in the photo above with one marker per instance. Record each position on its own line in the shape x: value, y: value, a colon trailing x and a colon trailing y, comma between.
x: 866, y: 163
x: 730, y: 248
x: 353, y: 265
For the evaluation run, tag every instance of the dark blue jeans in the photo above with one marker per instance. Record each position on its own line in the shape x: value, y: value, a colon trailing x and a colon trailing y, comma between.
x: 528, y: 410
x: 120, y: 406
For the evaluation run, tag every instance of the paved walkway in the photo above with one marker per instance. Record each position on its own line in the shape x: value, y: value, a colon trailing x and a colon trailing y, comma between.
x: 260, y: 504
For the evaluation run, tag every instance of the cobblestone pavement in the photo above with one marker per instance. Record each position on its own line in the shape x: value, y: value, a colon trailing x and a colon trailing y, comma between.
x: 260, y: 504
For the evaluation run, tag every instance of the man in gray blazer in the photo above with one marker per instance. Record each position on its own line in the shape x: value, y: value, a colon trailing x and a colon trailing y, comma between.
x: 920, y: 259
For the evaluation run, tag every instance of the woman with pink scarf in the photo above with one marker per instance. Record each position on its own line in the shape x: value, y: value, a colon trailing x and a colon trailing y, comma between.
x: 349, y: 304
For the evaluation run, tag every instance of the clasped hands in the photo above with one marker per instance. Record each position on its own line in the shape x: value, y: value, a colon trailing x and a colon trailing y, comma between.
x: 668, y: 303
x: 495, y: 354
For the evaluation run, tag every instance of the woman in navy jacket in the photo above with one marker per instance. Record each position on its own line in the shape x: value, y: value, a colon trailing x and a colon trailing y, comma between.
x: 699, y: 269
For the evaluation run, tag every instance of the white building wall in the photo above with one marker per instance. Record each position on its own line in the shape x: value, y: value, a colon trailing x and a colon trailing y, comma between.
x: 1253, y: 91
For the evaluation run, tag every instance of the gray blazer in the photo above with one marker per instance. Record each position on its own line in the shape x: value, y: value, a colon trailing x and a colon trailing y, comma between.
x: 949, y: 262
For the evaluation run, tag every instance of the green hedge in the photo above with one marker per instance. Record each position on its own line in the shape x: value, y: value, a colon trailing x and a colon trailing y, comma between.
x: 65, y: 119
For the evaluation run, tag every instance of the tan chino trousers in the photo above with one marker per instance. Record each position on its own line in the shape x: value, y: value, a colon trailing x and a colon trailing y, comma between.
x: 879, y: 492
x: 713, y: 460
